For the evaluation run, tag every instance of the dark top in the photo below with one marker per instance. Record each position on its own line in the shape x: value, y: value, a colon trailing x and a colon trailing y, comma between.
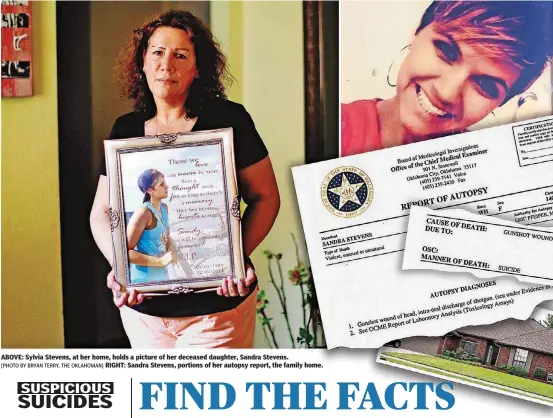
x: 248, y: 149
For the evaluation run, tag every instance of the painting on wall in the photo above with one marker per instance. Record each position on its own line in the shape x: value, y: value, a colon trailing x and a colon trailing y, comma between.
x: 17, y: 74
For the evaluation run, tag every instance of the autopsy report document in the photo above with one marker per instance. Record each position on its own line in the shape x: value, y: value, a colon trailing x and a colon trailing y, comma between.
x: 355, y: 211
x: 456, y: 240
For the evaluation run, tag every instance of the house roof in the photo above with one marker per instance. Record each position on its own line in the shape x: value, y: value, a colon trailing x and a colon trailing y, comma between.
x: 503, y: 329
x: 536, y: 341
x: 529, y: 334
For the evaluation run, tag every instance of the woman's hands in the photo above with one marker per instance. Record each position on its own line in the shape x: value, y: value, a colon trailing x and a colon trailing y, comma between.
x: 241, y: 287
x: 229, y: 288
x: 129, y: 297
x: 259, y: 191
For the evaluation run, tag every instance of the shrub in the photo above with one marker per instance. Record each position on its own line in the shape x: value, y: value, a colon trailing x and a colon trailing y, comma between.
x: 460, y: 354
x: 517, y: 371
x: 540, y: 373
x: 472, y: 363
x: 502, y: 367
x: 448, y: 353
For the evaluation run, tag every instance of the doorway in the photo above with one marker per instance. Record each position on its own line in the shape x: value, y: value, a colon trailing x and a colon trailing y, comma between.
x: 492, y: 352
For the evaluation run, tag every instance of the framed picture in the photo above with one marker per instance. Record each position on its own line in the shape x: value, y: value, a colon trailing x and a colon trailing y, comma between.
x: 175, y: 213
x: 17, y: 57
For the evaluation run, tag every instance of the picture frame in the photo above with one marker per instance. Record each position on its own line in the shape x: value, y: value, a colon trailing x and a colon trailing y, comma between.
x: 174, y: 211
x: 17, y: 52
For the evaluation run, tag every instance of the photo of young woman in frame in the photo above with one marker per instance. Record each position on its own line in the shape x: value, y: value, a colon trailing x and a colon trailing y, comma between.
x: 175, y: 219
x: 443, y: 68
x: 150, y: 249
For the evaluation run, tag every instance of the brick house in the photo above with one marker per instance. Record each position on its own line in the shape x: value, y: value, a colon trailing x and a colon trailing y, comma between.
x: 526, y: 344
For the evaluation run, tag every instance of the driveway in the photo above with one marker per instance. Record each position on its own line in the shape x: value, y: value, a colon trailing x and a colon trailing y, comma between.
x: 423, y: 345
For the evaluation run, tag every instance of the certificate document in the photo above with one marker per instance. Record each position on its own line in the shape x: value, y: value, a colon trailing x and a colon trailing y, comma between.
x: 355, y: 211
x: 456, y: 240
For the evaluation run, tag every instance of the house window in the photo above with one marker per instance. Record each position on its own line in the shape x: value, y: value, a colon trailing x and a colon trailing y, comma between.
x: 521, y: 356
x: 470, y: 347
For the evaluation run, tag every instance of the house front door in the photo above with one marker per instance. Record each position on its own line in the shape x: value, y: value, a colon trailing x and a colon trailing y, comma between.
x: 489, y: 351
x: 492, y: 351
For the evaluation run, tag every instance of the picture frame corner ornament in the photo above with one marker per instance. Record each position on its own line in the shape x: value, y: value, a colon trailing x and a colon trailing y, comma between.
x: 167, y: 138
x: 180, y: 290
x: 235, y: 207
x: 114, y: 219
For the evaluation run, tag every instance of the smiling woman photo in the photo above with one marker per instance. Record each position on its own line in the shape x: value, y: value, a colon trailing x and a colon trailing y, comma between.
x: 465, y: 59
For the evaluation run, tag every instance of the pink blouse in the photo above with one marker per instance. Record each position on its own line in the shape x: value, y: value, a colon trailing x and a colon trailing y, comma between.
x: 360, y: 127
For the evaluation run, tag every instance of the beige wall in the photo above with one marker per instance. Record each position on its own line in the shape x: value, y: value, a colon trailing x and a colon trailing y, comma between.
x: 264, y: 42
x: 31, y: 262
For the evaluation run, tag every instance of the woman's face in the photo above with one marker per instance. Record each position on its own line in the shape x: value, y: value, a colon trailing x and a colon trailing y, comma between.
x: 170, y: 64
x: 160, y: 189
x: 446, y: 86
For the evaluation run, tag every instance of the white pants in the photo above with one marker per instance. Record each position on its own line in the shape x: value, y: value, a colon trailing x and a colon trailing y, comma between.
x: 234, y: 328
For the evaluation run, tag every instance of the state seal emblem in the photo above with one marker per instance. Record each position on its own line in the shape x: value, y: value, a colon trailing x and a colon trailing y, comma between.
x: 347, y: 192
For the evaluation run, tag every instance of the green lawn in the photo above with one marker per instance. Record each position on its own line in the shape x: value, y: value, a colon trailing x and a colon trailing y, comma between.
x: 449, y: 375
x: 481, y: 373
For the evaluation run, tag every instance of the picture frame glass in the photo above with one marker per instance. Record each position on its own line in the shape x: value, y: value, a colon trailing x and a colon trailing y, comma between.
x: 194, y: 220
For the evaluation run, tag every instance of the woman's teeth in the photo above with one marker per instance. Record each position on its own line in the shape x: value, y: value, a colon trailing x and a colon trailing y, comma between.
x: 427, y: 105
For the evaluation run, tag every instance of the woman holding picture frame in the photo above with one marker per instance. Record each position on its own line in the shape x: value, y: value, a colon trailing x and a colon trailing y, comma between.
x: 175, y: 72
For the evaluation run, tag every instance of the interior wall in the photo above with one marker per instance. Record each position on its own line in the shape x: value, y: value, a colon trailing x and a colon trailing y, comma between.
x: 76, y: 192
x: 31, y: 265
x: 265, y: 53
x: 227, y: 26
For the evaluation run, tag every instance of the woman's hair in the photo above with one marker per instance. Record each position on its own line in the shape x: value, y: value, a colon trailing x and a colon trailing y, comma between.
x: 210, y: 61
x: 519, y: 32
x: 149, y: 178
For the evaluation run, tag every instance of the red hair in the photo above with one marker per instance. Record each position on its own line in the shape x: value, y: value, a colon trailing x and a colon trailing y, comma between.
x: 518, y: 32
